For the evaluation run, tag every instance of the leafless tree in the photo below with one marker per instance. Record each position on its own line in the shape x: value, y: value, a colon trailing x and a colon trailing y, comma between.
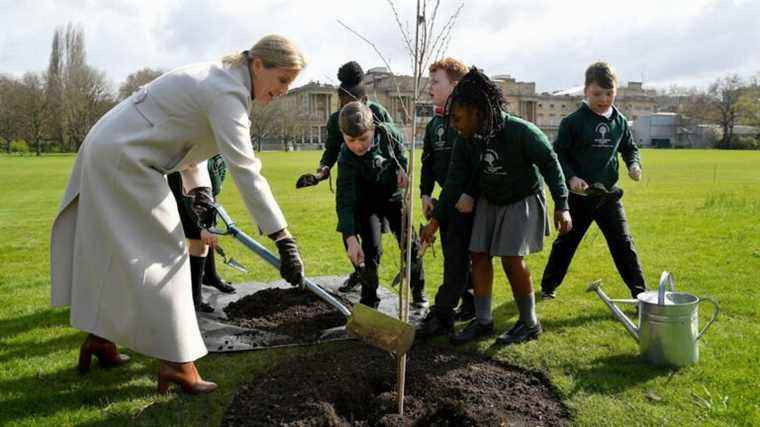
x: 725, y: 94
x: 9, y: 111
x: 32, y: 107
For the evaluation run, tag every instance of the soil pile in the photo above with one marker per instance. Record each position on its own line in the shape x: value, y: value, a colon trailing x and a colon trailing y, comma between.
x: 356, y: 386
x: 294, y: 312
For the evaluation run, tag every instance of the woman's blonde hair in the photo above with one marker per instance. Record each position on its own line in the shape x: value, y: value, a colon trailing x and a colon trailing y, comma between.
x: 274, y: 52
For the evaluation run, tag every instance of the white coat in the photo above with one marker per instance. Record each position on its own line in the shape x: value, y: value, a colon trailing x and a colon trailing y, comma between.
x: 118, y: 251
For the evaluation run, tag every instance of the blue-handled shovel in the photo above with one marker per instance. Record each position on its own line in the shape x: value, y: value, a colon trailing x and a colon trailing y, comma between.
x: 367, y: 324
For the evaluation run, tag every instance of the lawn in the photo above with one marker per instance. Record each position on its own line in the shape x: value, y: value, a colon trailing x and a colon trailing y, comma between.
x: 695, y: 213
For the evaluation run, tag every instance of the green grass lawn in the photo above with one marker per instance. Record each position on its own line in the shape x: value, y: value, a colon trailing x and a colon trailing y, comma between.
x: 695, y: 213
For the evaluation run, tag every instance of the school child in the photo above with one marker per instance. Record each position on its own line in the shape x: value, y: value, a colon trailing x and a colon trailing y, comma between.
x: 351, y: 88
x: 196, y: 214
x: 371, y: 174
x: 587, y: 145
x: 509, y: 156
x: 455, y: 231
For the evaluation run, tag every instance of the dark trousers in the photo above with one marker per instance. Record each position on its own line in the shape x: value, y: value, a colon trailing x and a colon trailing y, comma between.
x: 608, y: 213
x: 370, y: 220
x: 455, y: 245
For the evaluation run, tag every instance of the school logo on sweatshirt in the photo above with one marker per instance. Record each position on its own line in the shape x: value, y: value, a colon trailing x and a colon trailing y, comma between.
x: 380, y: 165
x: 440, y: 143
x: 602, y: 140
x: 491, y: 163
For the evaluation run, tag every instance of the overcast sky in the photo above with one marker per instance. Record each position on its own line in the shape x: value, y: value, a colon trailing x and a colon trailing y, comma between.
x: 663, y: 42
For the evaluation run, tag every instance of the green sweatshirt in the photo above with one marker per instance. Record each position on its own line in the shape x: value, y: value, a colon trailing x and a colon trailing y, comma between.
x: 370, y: 178
x: 588, y: 144
x: 335, y: 137
x: 436, y: 154
x: 507, y: 169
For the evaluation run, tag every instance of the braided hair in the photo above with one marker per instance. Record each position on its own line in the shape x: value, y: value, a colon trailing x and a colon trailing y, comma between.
x: 475, y: 90
x: 351, y: 87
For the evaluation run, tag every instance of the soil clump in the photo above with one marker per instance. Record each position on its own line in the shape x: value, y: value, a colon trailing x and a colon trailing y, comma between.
x: 355, y: 386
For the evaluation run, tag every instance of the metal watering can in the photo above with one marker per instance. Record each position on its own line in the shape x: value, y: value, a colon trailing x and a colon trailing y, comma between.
x: 668, y: 332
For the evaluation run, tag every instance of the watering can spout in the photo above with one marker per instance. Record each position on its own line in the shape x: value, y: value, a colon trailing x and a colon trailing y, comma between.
x: 596, y: 286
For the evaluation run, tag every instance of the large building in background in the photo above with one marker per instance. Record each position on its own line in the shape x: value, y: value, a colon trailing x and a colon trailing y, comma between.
x: 312, y: 104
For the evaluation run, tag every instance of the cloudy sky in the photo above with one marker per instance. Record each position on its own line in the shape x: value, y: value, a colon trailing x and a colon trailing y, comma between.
x: 663, y: 42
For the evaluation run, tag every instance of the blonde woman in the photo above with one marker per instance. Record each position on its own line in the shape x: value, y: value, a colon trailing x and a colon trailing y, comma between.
x: 118, y: 251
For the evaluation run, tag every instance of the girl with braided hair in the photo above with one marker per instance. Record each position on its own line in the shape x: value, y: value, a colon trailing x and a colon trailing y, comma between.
x: 500, y: 162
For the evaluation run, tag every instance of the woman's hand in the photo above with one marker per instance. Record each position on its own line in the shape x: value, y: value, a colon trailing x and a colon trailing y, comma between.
x: 465, y: 204
x: 402, y: 179
x: 354, y: 251
x: 427, y: 206
x: 562, y: 221
x: 577, y: 185
x: 208, y: 238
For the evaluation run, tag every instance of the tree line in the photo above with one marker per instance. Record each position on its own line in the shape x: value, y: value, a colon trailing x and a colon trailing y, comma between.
x: 52, y: 110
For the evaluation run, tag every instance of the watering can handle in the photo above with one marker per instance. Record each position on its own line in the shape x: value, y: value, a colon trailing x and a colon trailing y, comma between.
x: 666, y: 281
x: 716, y: 310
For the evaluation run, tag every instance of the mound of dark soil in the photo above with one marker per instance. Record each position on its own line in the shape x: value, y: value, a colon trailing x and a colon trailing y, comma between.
x: 356, y: 386
x: 294, y: 312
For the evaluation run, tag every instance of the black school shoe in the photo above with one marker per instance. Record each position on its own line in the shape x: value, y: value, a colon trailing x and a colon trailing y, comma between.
x: 465, y: 312
x: 219, y: 284
x: 520, y: 333
x: 352, y: 282
x: 204, y: 308
x: 471, y: 332
x: 434, y: 324
x: 547, y: 295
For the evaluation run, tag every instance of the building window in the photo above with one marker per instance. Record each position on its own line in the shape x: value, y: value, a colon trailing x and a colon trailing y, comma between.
x: 540, y: 105
x: 551, y: 105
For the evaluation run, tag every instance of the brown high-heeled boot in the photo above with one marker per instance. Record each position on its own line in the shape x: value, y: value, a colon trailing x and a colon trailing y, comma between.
x: 103, y: 349
x: 184, y: 375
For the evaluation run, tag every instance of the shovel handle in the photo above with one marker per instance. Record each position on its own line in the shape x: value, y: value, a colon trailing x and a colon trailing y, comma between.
x: 716, y: 310
x: 272, y: 259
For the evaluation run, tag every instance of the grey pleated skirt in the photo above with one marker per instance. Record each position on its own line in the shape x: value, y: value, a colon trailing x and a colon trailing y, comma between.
x: 517, y: 229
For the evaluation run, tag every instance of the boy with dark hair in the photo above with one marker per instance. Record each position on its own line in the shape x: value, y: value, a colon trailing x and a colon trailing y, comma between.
x: 587, y: 145
x: 351, y: 88
x: 371, y: 174
x: 455, y: 231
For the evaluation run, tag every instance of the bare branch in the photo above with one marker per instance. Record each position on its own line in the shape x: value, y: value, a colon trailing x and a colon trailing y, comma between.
x: 404, y: 34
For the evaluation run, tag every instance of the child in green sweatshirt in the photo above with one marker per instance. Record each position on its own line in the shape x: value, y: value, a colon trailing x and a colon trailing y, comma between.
x: 588, y: 144
x: 509, y: 157
x: 371, y: 174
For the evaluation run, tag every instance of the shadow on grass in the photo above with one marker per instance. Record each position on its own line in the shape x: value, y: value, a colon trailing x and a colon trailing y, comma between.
x: 614, y: 374
x: 44, y: 318
x: 68, y: 391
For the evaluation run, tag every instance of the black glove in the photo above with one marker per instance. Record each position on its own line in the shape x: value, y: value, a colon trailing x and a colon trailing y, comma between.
x: 291, y: 266
x: 203, y: 206
x: 307, y: 180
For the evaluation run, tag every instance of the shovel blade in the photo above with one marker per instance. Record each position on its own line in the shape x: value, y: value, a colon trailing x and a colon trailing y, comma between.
x: 380, y: 330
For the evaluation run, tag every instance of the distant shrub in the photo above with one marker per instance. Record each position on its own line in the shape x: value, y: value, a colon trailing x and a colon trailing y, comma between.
x: 19, y: 146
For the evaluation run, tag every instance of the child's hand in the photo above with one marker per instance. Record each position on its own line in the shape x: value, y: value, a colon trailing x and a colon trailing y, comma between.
x: 209, y: 238
x: 635, y: 172
x: 427, y: 206
x: 354, y: 251
x: 562, y: 221
x: 402, y: 179
x: 427, y: 234
x: 577, y: 185
x: 465, y: 204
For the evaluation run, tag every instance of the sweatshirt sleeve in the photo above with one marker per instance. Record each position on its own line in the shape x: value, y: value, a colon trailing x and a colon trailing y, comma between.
x: 562, y: 146
x: 195, y: 176
x: 628, y: 149
x: 346, y: 197
x: 427, y: 176
x: 228, y: 116
x: 458, y: 180
x: 333, y: 143
x: 541, y: 154
x: 397, y: 144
